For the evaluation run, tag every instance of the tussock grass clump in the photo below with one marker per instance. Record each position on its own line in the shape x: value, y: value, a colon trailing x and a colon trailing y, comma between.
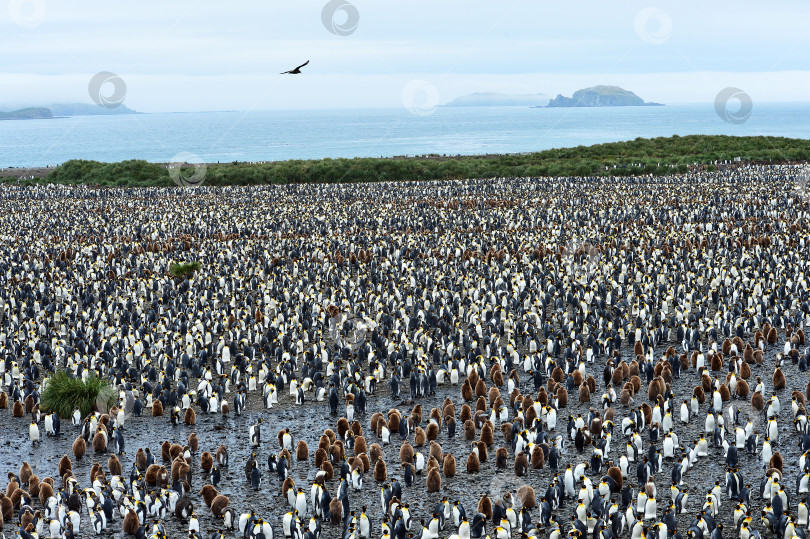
x: 63, y: 394
x: 184, y: 269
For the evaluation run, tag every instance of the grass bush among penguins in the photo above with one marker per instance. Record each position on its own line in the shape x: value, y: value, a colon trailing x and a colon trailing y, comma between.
x: 64, y: 393
x: 184, y: 270
x: 657, y: 156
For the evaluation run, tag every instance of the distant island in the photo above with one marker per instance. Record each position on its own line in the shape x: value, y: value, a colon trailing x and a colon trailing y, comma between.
x: 64, y: 109
x: 601, y: 96
x: 31, y: 113
x: 490, y: 99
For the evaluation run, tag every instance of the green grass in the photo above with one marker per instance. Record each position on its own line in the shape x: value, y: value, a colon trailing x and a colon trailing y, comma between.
x: 183, y: 270
x: 64, y: 394
x: 657, y: 156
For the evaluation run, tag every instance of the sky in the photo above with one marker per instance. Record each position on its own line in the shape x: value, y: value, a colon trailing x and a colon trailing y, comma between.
x: 185, y: 55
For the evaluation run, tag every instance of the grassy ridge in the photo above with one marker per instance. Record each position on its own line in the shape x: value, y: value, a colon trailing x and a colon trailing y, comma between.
x: 640, y: 156
x: 63, y: 394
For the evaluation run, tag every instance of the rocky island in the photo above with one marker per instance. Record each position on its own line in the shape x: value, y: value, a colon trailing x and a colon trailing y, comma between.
x: 601, y: 96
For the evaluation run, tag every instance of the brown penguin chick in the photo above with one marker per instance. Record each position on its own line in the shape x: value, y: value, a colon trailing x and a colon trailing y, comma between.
x: 449, y: 465
x: 140, y: 459
x: 482, y: 450
x: 617, y: 377
x: 175, y: 450
x: 776, y: 461
x: 432, y: 463
x: 748, y: 354
x: 501, y: 457
x: 6, y: 509
x: 432, y: 432
x: 131, y: 523
x: 742, y: 389
x: 485, y: 506
x: 778, y: 377
x: 79, y: 447
x: 757, y: 402
x: 218, y: 505
x: 193, y: 442
x: 375, y: 452
x: 521, y: 464
x: 157, y: 409
x: 335, y: 511
x: 17, y: 409
x: 506, y: 431
x: 699, y: 394
x: 473, y: 464
x: 165, y: 451
x: 717, y: 362
x: 450, y: 421
x: 584, y: 393
x: 25, y: 473
x: 525, y: 498
x: 496, y: 375
x: 616, y: 473
x: 324, y: 442
x: 798, y: 396
x: 626, y: 396
x: 419, y: 437
x: 434, y: 481
x: 357, y: 428
x: 635, y: 381
x: 473, y: 378
x: 480, y: 405
x: 206, y: 461
x: 302, y: 451
x: 208, y: 493
x: 405, y: 453
x: 342, y: 427
x: 538, y: 458
x: 494, y: 395
x: 380, y: 471
x: 469, y: 430
x: 365, y: 461
x: 759, y: 357
x: 725, y: 394
x: 114, y: 465
x: 321, y: 456
x: 34, y: 486
x: 150, y: 477
x: 94, y: 471
x: 374, y: 421
x: 45, y: 492
x: 654, y: 390
x: 3, y: 400
x: 487, y: 435
x: 638, y: 349
x: 436, y: 414
x: 562, y: 397
x: 449, y: 410
x: 773, y: 338
x: 557, y: 375
x: 435, y: 451
x: 466, y: 413
x: 180, y: 470
x: 591, y: 382
x: 530, y: 415
x: 327, y: 468
x: 416, y: 415
x: 480, y: 388
x: 393, y: 422
x: 745, y: 371
x: 100, y: 443
x: 577, y: 376
x: 466, y: 391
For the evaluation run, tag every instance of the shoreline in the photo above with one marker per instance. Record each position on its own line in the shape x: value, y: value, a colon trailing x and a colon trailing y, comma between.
x: 638, y: 157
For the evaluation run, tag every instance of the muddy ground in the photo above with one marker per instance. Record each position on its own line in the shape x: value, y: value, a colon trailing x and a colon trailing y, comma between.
x: 308, y: 422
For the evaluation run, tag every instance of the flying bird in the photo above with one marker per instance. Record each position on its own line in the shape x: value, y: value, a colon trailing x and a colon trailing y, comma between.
x: 295, y: 71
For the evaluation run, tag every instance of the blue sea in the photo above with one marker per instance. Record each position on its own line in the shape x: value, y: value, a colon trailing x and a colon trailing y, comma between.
x: 278, y: 135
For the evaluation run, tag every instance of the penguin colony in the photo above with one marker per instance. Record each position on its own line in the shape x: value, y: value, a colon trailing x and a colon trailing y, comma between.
x: 496, y: 358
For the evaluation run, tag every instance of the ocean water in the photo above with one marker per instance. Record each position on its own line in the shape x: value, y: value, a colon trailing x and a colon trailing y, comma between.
x: 278, y: 135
